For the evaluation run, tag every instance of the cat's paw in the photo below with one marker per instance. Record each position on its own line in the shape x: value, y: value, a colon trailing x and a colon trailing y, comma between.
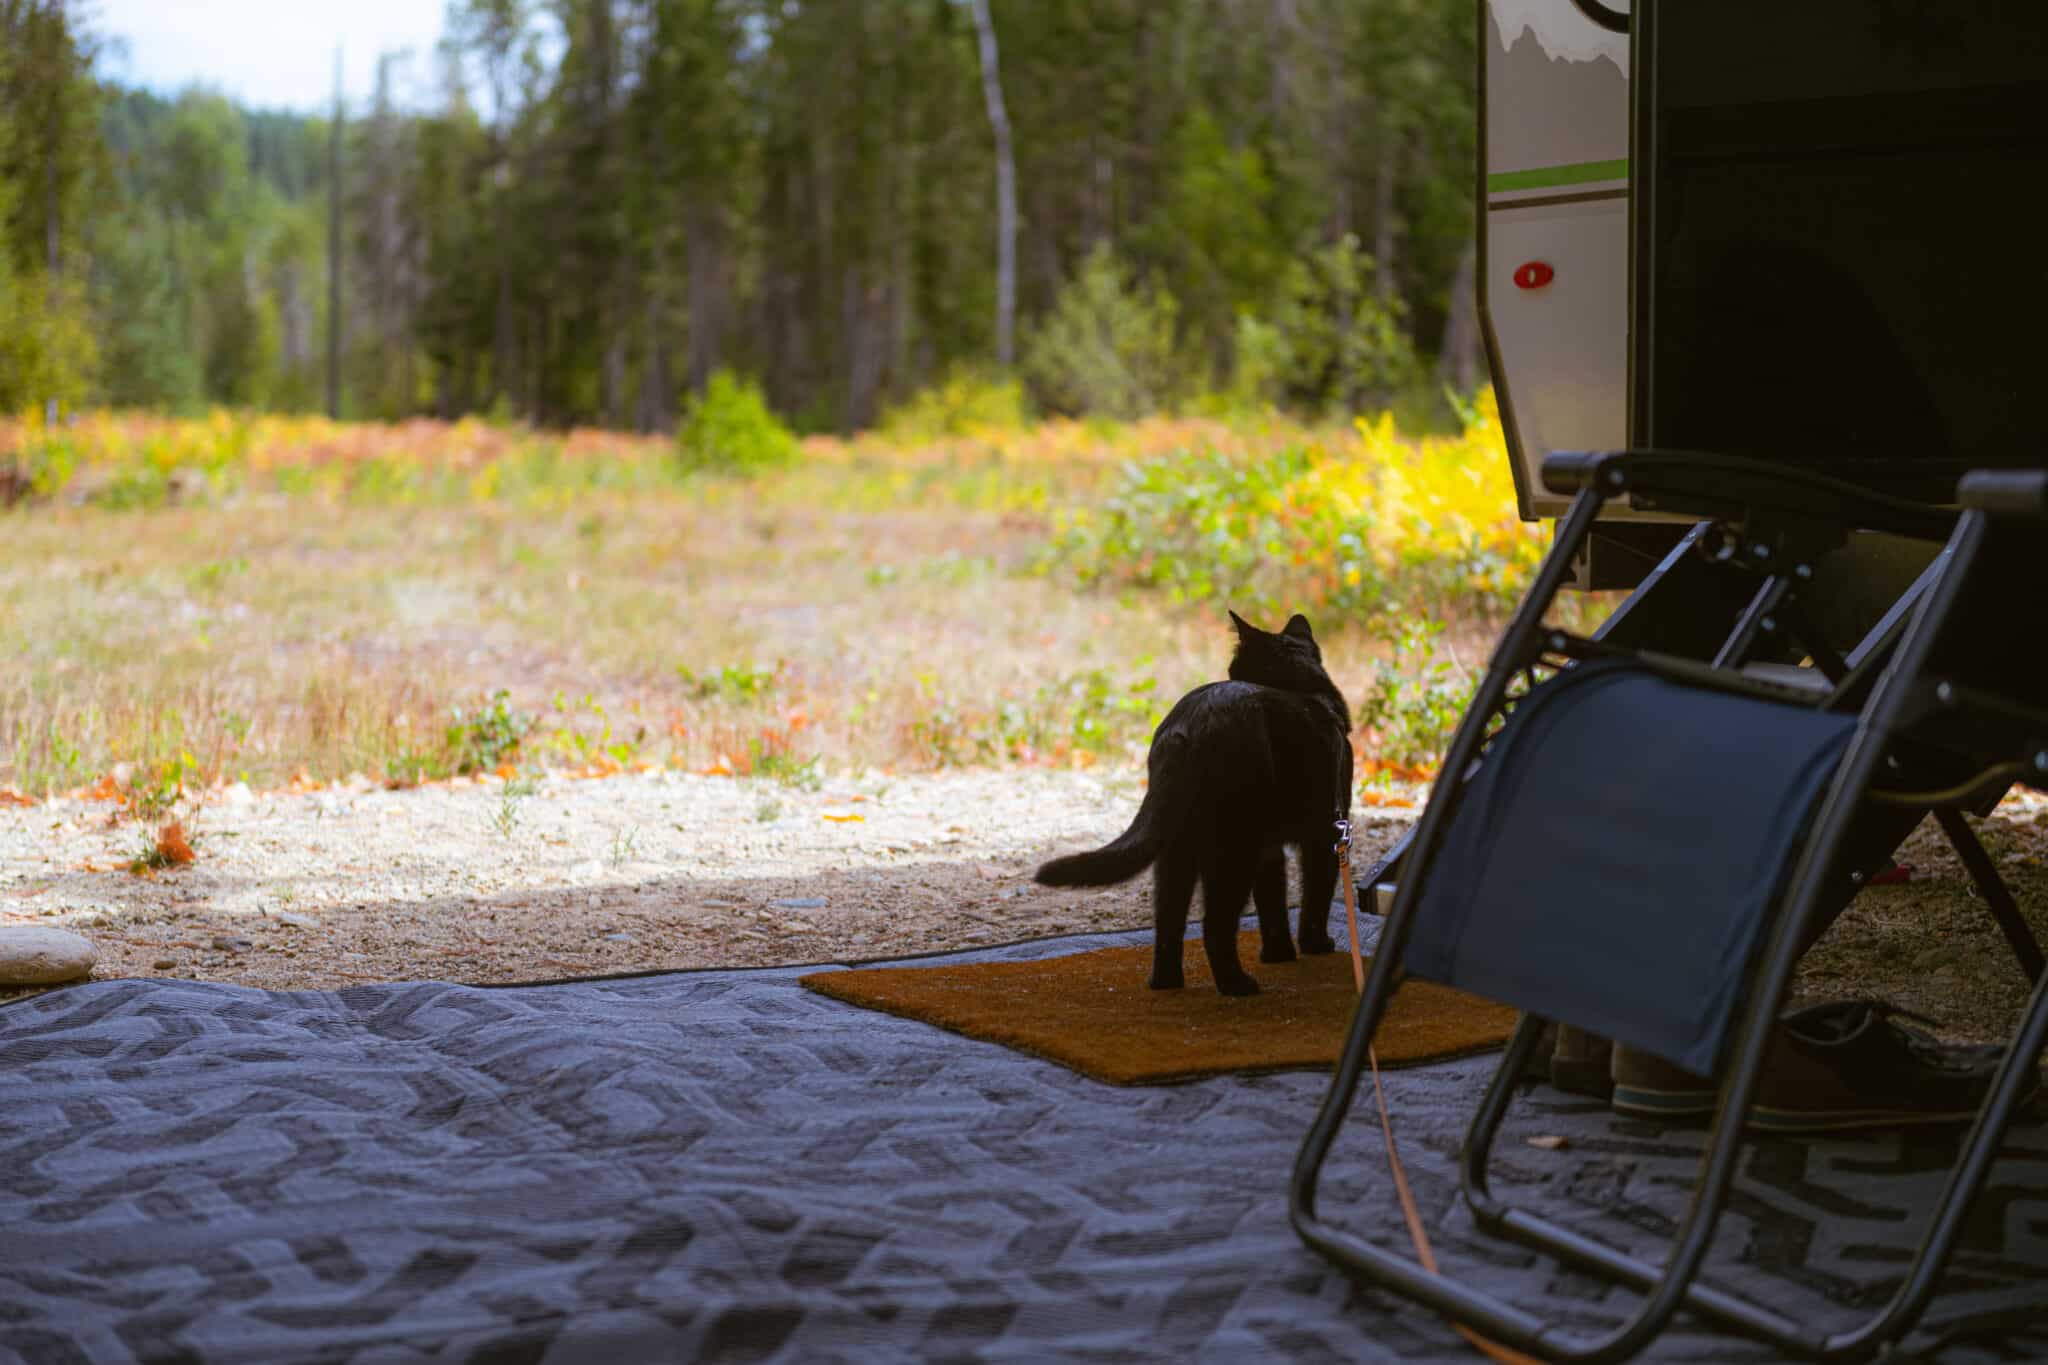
x: 1237, y: 985
x: 1316, y: 944
x: 1166, y: 981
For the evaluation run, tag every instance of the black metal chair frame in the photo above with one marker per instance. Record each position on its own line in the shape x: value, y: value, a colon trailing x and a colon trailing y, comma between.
x: 1768, y: 516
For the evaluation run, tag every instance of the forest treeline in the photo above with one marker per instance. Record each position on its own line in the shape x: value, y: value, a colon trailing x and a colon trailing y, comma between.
x: 600, y: 203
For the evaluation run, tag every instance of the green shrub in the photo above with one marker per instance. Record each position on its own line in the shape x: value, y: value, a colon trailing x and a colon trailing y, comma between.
x: 1262, y: 358
x: 1091, y: 712
x: 480, y: 740
x: 1416, y: 697
x: 1261, y: 535
x: 735, y: 683
x: 47, y: 352
x: 1330, y: 344
x: 964, y: 404
x: 730, y: 429
x: 1108, y: 347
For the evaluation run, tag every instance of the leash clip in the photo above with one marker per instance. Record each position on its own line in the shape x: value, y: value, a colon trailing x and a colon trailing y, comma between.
x: 1343, y: 838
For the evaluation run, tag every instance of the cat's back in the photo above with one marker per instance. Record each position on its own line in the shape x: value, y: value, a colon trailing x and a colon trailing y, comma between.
x: 1231, y: 712
x: 1213, y: 701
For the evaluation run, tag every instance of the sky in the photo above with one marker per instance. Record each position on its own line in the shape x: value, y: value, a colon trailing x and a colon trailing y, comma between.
x: 270, y: 54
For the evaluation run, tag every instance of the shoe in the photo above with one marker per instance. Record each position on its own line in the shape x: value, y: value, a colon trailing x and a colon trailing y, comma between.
x: 1851, y: 1064
x: 1582, y: 1063
x: 1847, y: 1064
x: 1648, y: 1087
x: 1537, y: 1068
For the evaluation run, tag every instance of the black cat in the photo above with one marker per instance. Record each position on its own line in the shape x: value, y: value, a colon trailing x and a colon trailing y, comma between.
x: 1239, y: 769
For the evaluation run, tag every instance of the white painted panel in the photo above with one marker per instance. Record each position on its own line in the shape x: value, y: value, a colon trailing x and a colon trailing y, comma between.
x: 1564, y: 347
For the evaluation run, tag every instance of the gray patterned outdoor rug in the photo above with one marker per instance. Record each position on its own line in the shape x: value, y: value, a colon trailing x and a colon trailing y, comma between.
x: 724, y: 1166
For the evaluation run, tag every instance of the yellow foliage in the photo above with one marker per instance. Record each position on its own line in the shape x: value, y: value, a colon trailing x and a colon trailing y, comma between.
x: 1409, y: 502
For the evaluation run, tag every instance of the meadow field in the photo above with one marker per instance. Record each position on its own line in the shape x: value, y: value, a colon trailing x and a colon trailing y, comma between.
x: 847, y: 697
x: 188, y: 603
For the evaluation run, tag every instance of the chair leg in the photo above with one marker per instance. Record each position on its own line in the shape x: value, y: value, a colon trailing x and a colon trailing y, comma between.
x: 1980, y: 1150
x: 2026, y: 950
x: 1665, y: 1289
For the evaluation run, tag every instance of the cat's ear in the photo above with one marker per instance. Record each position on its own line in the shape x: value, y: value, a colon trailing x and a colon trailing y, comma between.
x: 1297, y: 625
x: 1245, y: 629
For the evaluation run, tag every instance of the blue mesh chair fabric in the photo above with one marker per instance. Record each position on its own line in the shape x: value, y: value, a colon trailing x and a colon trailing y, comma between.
x: 1613, y: 859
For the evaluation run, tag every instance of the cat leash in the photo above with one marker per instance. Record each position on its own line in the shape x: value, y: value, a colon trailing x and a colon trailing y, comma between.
x: 1424, y: 1253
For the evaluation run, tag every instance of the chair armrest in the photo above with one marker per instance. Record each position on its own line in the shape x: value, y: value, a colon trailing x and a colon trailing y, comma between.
x: 1732, y: 487
x: 2006, y: 492
x: 1571, y: 471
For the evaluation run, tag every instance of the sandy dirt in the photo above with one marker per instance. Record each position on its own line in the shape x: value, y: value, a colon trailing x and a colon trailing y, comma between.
x: 485, y: 881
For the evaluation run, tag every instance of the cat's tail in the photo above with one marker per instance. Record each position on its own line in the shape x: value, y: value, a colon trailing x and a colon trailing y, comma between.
x: 1159, y: 818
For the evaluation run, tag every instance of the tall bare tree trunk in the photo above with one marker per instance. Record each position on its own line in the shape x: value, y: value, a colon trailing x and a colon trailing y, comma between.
x: 612, y: 374
x: 1383, y: 218
x: 656, y: 397
x: 1006, y: 190
x: 1457, y: 364
x: 51, y: 259
x: 334, y: 251
x: 501, y: 317
x: 701, y: 249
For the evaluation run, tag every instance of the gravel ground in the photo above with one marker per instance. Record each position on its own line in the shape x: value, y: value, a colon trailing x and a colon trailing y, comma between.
x: 477, y: 882
x: 485, y: 881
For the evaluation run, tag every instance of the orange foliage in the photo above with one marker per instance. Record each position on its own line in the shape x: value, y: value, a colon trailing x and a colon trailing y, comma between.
x: 172, y: 848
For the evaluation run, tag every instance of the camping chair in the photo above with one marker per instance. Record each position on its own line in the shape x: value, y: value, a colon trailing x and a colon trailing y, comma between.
x: 1635, y: 916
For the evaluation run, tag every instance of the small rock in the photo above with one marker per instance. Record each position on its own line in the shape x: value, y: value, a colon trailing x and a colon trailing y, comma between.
x: 38, y: 955
x: 716, y: 905
x: 237, y: 795
x: 224, y: 944
x: 800, y: 903
x: 165, y: 964
x: 620, y: 938
x: 584, y: 871
x: 295, y: 921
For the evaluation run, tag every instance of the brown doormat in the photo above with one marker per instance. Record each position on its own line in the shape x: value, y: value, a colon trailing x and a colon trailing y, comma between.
x: 1093, y: 1012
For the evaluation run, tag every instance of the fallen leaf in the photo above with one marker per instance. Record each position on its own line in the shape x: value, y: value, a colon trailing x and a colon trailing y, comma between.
x: 171, y: 844
x: 1405, y: 772
x: 10, y: 797
x: 847, y: 819
x: 1550, y: 1142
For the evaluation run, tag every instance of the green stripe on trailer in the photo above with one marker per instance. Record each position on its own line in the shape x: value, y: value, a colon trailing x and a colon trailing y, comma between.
x: 1549, y: 177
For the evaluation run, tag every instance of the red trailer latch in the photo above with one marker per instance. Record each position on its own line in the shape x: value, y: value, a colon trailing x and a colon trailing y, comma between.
x: 1533, y: 274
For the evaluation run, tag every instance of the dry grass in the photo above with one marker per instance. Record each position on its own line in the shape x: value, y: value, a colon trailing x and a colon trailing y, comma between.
x: 263, y: 597
x: 262, y: 640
